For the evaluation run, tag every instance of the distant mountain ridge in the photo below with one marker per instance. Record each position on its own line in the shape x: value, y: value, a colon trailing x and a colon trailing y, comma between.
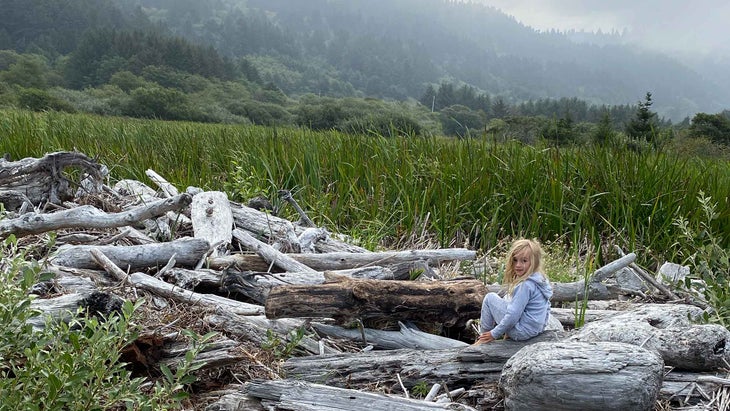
x: 391, y: 49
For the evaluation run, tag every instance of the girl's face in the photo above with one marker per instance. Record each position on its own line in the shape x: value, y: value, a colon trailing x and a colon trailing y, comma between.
x: 521, y: 262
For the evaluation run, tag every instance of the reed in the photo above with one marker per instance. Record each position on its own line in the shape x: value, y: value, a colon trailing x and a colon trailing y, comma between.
x: 382, y: 190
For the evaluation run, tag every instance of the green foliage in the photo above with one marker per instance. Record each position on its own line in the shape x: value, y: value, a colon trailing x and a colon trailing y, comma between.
x: 73, y: 364
x: 643, y: 127
x: 41, y: 100
x: 379, y: 190
x: 421, y: 389
x: 283, y: 349
x: 458, y: 120
x: 560, y: 131
x: 715, y: 127
x: 604, y: 132
x: 709, y: 258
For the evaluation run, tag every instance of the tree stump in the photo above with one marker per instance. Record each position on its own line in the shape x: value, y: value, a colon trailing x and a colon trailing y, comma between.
x: 582, y: 376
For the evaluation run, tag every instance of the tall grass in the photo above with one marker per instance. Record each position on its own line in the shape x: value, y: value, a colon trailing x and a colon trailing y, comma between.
x: 471, y: 191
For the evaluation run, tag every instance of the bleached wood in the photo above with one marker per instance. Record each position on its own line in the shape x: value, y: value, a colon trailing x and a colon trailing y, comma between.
x: 255, y: 328
x: 303, y: 396
x: 232, y: 399
x: 188, y: 252
x: 216, y: 354
x: 168, y: 190
x: 406, y: 337
x: 582, y: 376
x: 87, y: 217
x: 212, y: 219
x: 668, y: 330
x: 270, y: 254
x: 452, y: 366
x: 42, y: 179
x: 257, y: 286
x: 567, y: 316
x: 347, y: 260
x: 272, y: 227
x: 211, y: 301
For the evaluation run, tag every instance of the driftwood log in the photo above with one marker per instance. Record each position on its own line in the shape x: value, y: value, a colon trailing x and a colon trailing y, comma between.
x: 345, y: 260
x: 582, y: 377
x: 456, y: 367
x: 303, y: 396
x: 87, y: 217
x: 41, y: 180
x: 451, y: 303
x: 408, y: 336
x: 187, y: 252
x: 666, y: 329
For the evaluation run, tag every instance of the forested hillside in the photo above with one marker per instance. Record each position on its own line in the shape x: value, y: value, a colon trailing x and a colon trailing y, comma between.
x: 393, y: 49
x: 375, y: 67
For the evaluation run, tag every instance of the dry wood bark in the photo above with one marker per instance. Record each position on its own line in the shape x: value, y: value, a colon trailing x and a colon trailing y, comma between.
x: 257, y: 286
x: 215, y: 354
x: 456, y: 367
x: 187, y: 251
x: 232, y: 399
x: 301, y: 396
x: 582, y: 376
x: 42, y: 179
x: 273, y: 227
x: 255, y: 328
x: 87, y: 217
x: 407, y: 337
x: 667, y: 329
x: 452, y: 303
x: 346, y: 260
x: 270, y: 254
x: 212, y: 220
x: 211, y: 301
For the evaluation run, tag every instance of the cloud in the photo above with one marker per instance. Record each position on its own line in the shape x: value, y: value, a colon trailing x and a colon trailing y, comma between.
x: 701, y: 25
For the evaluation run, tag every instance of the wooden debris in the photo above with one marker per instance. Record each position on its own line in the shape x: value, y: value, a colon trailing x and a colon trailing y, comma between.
x: 582, y: 377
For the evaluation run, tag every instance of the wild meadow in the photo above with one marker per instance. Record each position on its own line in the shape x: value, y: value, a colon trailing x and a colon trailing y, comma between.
x: 388, y: 191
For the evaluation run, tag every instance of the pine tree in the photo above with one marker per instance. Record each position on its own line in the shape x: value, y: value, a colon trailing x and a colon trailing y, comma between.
x: 644, y: 125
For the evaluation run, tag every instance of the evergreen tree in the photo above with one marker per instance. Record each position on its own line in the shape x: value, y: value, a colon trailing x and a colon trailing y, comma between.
x: 604, y: 132
x: 644, y: 124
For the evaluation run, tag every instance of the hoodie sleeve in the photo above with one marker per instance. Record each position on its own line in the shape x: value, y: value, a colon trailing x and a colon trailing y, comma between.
x: 516, y: 307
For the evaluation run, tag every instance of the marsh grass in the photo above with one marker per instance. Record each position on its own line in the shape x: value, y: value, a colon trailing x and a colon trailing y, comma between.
x: 468, y: 192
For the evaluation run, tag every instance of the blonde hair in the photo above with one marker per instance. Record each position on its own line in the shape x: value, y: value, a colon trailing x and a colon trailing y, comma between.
x: 536, y: 263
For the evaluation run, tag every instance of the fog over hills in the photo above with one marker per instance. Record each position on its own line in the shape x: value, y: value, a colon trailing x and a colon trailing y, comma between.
x: 395, y: 48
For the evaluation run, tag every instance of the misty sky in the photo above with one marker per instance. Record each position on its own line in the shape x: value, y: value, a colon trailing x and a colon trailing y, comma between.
x: 670, y: 25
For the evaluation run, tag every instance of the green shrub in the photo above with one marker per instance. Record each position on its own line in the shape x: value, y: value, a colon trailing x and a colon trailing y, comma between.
x: 41, y: 100
x: 73, y: 364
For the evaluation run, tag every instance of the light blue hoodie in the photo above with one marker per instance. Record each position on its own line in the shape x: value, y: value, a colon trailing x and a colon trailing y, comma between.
x: 528, y: 311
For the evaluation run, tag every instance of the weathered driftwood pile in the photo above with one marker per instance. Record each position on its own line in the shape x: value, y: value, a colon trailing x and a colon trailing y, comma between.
x: 257, y: 275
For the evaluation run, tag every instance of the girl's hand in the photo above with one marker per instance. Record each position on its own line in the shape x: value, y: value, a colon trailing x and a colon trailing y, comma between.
x: 484, y: 338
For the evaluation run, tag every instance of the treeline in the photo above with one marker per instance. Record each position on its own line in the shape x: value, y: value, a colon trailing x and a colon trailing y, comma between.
x: 142, y: 69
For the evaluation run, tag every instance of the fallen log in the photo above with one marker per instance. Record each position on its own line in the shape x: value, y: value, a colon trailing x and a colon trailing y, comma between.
x: 582, y: 376
x: 407, y: 337
x: 273, y: 227
x: 258, y: 330
x: 302, y: 396
x: 257, y: 286
x: 214, y: 354
x: 187, y: 251
x: 42, y: 179
x: 345, y: 260
x: 270, y: 254
x: 232, y: 398
x: 666, y: 329
x: 456, y: 367
x: 451, y: 303
x: 87, y: 217
x: 567, y: 316
x: 211, y: 301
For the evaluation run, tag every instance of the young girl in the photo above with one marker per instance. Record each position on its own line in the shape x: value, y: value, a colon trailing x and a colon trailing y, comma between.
x: 525, y: 310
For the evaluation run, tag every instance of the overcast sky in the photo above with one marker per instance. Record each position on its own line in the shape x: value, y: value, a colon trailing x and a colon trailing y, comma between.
x: 671, y: 25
